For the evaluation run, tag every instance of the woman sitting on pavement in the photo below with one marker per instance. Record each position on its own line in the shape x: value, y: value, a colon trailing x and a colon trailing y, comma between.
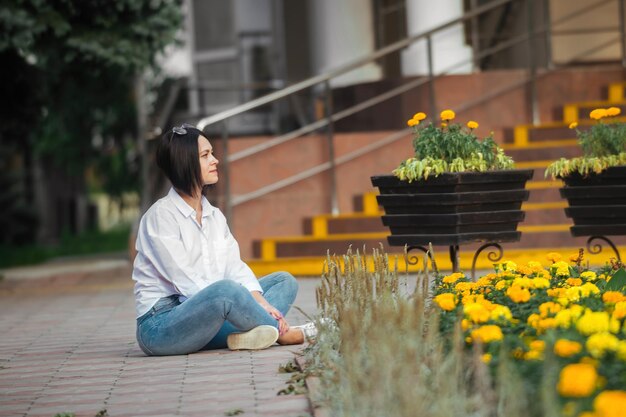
x: 192, y: 290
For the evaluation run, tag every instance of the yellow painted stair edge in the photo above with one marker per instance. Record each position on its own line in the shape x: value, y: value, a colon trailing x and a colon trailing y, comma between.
x: 314, y: 266
x: 268, y: 245
x: 616, y: 91
x: 521, y: 134
x: 571, y: 111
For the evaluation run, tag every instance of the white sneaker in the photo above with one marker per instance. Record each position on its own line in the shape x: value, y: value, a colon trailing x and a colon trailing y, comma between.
x: 309, y: 330
x: 261, y: 337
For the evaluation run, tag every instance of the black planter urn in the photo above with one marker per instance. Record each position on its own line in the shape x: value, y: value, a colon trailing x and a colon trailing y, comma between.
x: 597, y: 204
x: 453, y: 208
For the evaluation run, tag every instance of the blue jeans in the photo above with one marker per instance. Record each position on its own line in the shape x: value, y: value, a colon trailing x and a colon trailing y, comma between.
x: 204, y: 321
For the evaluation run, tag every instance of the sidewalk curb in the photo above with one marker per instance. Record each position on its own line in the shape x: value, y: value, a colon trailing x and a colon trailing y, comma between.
x: 313, y: 386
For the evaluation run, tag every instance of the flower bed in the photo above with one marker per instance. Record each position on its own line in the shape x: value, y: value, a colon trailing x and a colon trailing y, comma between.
x: 574, y: 315
x: 531, y: 340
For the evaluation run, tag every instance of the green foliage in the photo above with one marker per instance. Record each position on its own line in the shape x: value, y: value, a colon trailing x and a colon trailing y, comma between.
x: 452, y: 148
x: 81, y: 59
x: 88, y: 243
x: 124, y: 34
x: 584, y: 165
x: 603, y: 146
x: 618, y: 281
x: 603, y: 139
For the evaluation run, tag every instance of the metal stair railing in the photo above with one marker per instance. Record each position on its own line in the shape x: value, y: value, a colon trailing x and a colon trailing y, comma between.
x: 546, y: 29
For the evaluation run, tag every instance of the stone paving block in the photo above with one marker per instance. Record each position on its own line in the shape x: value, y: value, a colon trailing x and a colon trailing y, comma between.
x: 50, y: 355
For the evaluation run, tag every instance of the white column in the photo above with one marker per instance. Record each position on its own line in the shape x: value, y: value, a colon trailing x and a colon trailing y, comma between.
x: 448, y: 46
x: 342, y: 31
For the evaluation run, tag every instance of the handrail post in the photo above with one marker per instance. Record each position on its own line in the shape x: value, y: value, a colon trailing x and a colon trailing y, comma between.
x: 532, y: 67
x: 431, y: 75
x: 622, y: 30
x: 330, y: 133
x: 475, y: 37
x: 547, y: 22
x: 228, y: 203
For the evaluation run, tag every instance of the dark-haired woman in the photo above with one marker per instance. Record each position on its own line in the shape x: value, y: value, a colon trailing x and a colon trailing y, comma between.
x: 192, y: 290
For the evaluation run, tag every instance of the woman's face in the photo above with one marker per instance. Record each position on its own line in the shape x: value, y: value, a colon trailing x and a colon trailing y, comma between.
x: 208, y: 163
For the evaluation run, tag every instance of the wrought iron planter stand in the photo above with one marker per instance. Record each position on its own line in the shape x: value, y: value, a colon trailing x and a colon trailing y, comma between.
x: 597, y: 206
x: 454, y: 209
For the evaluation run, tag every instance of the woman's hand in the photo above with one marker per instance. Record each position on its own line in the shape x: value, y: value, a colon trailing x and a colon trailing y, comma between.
x: 283, y: 326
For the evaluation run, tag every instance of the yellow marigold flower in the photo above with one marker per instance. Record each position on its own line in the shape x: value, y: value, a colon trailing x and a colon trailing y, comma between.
x: 412, y: 122
x: 535, y: 266
x: 419, y: 116
x: 610, y: 403
x: 533, y: 355
x: 613, y: 111
x: 577, y: 380
x: 539, y: 345
x: 518, y: 294
x: 565, y: 318
x: 573, y: 294
x: 553, y: 257
x: 599, y: 343
x: 598, y: 114
x: 586, y: 414
x: 574, y: 282
x: 464, y: 286
x: 549, y: 308
x: 510, y: 266
x: 533, y: 320
x: 446, y: 301
x: 500, y: 312
x: 613, y: 297
x: 547, y: 323
x: 540, y: 283
x: 619, y: 311
x: 483, y: 282
x: 556, y: 292
x: 465, y: 324
x: 596, y: 322
x: 588, y: 289
x: 486, y: 357
x: 524, y: 270
x: 573, y: 125
x: 447, y: 115
x: 452, y: 278
x: 523, y: 282
x: 472, y: 124
x: 476, y: 312
x: 500, y: 285
x: 561, y: 268
x: 487, y: 334
x: 566, y: 348
x: 589, y: 276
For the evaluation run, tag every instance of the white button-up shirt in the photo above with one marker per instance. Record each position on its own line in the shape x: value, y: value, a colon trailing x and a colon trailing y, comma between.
x: 176, y: 255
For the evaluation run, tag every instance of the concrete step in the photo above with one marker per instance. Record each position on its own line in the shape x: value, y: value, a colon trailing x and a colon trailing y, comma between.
x: 545, y: 150
x: 533, y: 237
x: 524, y: 134
x: 325, y: 225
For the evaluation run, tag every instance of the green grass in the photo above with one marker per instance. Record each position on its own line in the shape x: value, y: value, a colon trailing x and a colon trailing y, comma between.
x: 88, y: 243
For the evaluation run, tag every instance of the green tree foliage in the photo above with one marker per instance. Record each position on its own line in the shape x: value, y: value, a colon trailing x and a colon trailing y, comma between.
x: 70, y: 95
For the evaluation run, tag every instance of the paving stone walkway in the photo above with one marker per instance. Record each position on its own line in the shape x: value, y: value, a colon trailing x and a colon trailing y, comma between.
x: 67, y: 345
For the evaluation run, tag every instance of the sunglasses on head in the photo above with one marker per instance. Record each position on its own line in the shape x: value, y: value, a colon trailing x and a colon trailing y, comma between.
x: 182, y: 129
